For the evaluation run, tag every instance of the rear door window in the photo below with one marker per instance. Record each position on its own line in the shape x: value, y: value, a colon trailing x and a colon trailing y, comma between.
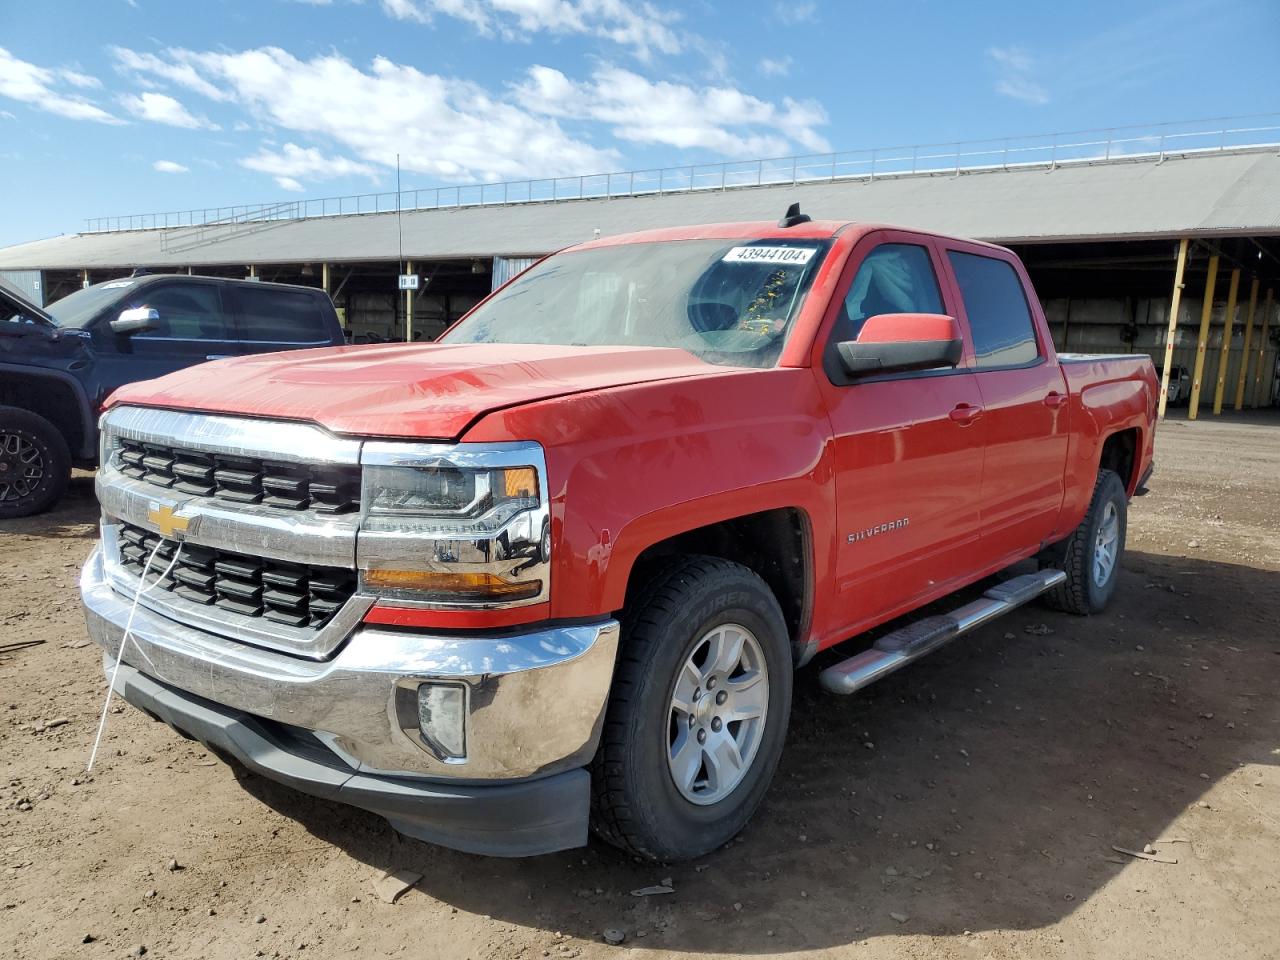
x: 1004, y: 334
x: 279, y: 316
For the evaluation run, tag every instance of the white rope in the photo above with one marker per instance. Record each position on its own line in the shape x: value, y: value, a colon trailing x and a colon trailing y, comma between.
x: 128, y: 634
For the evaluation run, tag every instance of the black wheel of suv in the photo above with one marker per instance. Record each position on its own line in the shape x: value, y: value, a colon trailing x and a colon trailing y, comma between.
x: 35, y: 463
x: 1091, y: 555
x: 698, y: 712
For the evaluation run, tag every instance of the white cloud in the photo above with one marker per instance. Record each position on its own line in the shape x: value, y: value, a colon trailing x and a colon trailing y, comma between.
x: 290, y: 184
x: 37, y: 86
x: 174, y: 71
x: 441, y: 126
x: 716, y: 118
x: 639, y: 25
x: 295, y: 161
x: 169, y: 166
x: 796, y: 11
x: 774, y: 68
x: 161, y: 108
x: 1016, y: 75
x: 6, y: 115
x: 78, y: 79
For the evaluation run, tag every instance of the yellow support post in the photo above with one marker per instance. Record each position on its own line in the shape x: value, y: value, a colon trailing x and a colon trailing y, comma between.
x: 324, y: 277
x: 1224, y: 355
x: 1262, y: 350
x: 1202, y: 340
x: 1248, y: 343
x: 253, y: 270
x: 408, y: 309
x: 1174, y: 303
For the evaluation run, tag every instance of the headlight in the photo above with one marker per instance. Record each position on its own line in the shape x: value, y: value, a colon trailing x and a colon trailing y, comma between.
x: 466, y: 524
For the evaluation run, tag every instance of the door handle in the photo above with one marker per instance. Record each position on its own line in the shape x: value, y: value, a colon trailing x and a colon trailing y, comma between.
x: 965, y: 414
x: 1055, y: 400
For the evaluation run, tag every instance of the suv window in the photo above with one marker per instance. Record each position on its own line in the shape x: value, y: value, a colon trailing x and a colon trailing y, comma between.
x: 894, y: 278
x: 279, y: 316
x: 188, y: 311
x: 996, y: 304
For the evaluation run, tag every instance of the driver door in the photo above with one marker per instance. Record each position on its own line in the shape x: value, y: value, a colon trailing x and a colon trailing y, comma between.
x: 908, y: 446
x: 194, y: 326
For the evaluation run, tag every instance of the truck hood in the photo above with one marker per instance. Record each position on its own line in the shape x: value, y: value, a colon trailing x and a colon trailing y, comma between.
x: 426, y: 392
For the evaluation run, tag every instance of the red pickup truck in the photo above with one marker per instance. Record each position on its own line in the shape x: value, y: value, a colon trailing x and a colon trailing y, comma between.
x: 559, y: 568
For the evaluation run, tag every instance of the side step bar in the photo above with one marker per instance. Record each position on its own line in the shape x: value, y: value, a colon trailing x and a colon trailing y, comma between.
x: 895, y: 650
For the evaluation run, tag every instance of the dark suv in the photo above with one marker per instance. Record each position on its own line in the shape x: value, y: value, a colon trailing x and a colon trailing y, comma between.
x: 58, y: 364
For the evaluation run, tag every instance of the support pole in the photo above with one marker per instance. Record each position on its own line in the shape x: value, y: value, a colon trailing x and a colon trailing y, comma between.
x: 253, y: 270
x: 408, y: 309
x: 1262, y: 350
x: 1202, y: 340
x: 1224, y: 355
x: 84, y: 278
x: 324, y: 277
x: 1248, y: 344
x: 1174, y: 303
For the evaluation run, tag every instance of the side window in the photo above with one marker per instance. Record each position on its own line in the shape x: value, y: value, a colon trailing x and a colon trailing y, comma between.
x: 188, y: 311
x: 894, y: 278
x: 279, y: 316
x: 999, y: 318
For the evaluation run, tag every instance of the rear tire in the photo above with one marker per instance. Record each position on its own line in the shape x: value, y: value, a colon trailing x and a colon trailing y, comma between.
x: 1091, y: 556
x: 35, y: 463
x: 703, y: 680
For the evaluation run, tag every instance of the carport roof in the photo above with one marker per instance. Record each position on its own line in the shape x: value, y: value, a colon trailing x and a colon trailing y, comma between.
x: 1229, y: 193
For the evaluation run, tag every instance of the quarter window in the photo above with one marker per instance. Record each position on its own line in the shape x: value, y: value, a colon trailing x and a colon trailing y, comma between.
x: 279, y: 316
x: 188, y: 311
x: 996, y: 304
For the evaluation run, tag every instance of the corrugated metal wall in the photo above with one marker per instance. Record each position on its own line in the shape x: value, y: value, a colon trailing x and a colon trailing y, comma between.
x: 504, y: 268
x: 27, y: 281
x: 1100, y: 326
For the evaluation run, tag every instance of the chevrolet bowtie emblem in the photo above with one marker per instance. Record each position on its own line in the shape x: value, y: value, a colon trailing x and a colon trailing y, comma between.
x: 167, y: 520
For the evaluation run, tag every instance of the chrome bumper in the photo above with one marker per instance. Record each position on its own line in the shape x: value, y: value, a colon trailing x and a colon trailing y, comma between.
x: 535, y: 701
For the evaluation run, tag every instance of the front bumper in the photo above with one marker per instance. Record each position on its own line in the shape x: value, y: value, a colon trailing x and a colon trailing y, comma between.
x: 534, y: 709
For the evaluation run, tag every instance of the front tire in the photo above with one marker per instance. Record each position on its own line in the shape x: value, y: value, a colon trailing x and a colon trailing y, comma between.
x: 698, y: 713
x: 35, y: 464
x: 1091, y: 556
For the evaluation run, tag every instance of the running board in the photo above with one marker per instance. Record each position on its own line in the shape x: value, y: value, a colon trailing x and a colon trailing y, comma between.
x: 897, y: 649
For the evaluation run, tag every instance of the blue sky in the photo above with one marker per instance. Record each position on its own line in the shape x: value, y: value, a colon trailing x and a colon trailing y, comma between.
x: 128, y: 106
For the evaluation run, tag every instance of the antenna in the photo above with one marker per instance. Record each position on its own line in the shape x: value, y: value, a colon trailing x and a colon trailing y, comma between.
x: 794, y: 217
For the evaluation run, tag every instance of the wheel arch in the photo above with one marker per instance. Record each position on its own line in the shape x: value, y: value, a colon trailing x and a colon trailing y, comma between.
x: 57, y: 397
x: 776, y: 544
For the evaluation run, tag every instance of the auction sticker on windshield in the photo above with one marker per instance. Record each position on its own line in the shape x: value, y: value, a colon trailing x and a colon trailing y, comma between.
x: 796, y: 255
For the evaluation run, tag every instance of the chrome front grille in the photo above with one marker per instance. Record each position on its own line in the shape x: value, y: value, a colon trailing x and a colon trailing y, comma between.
x: 299, y: 595
x: 324, y: 488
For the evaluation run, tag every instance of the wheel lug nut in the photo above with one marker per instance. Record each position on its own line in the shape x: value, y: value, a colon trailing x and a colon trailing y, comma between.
x: 715, y: 724
x: 721, y: 697
x: 711, y: 684
x: 702, y: 736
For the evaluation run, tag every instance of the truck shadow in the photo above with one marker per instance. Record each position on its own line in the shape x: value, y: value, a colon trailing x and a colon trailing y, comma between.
x: 70, y: 518
x: 980, y: 789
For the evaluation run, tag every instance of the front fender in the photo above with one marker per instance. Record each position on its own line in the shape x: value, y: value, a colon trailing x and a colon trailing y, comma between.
x: 634, y: 466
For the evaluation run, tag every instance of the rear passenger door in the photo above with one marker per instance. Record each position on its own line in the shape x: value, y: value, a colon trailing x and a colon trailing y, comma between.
x: 276, y: 318
x: 1024, y: 399
x: 908, y: 446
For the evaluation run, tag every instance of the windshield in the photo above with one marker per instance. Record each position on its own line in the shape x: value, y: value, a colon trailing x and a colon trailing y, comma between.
x: 77, y: 309
x: 726, y: 301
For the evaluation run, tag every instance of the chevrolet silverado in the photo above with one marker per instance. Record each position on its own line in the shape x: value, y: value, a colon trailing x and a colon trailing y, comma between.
x: 558, y: 569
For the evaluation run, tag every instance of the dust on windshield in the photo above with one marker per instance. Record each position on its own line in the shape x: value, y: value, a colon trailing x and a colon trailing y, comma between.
x: 727, y: 301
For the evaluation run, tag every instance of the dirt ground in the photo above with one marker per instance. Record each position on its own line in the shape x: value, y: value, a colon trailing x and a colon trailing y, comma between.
x: 964, y: 808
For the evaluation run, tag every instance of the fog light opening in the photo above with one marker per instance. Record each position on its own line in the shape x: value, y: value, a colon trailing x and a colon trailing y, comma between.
x: 442, y: 713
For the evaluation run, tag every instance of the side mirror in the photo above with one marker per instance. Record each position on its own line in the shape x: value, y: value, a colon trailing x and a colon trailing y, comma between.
x: 136, y: 320
x: 897, y: 342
